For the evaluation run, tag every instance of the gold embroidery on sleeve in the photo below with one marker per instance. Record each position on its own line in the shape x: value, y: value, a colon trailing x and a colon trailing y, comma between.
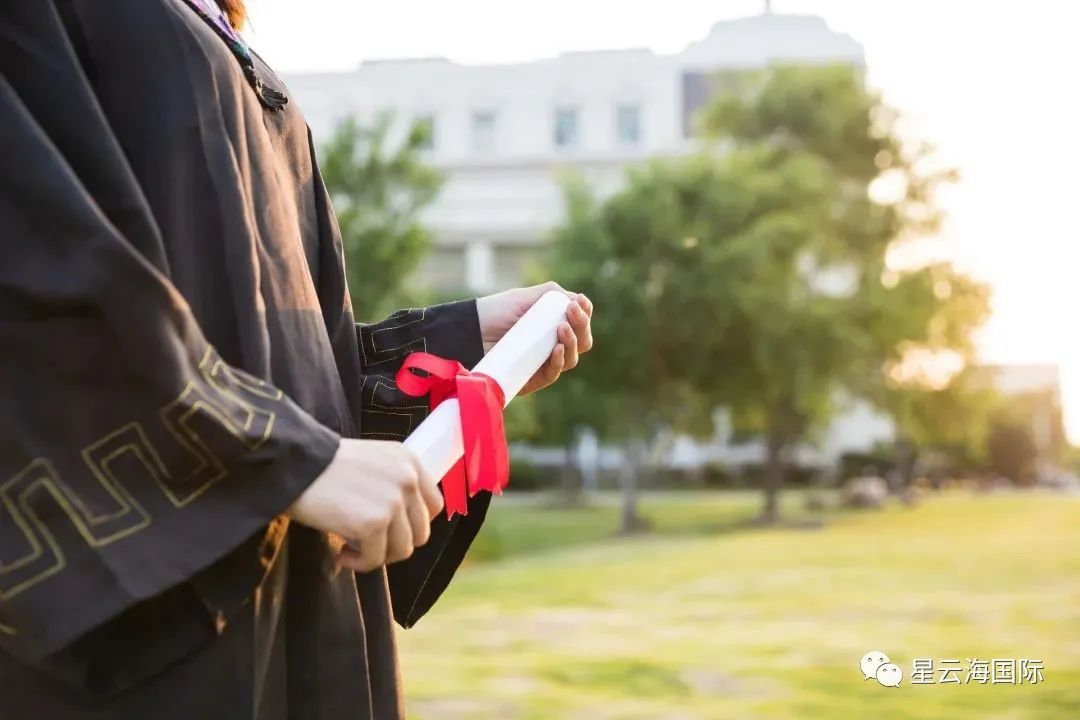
x: 217, y: 403
x: 177, y: 417
x: 371, y: 406
x: 225, y: 409
x: 44, y: 557
x: 404, y: 414
x: 99, y: 530
x: 379, y: 355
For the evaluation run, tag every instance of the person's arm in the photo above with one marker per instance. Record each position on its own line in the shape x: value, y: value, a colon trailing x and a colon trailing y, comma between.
x: 451, y: 330
x: 459, y: 331
x: 131, y: 455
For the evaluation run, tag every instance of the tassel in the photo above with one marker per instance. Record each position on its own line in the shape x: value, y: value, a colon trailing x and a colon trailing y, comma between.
x: 270, y: 98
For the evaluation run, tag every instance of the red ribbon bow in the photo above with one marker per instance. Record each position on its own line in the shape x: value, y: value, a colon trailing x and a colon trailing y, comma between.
x: 486, y: 463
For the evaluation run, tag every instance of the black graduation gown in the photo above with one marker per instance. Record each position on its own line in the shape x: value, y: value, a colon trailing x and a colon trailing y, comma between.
x: 178, y: 361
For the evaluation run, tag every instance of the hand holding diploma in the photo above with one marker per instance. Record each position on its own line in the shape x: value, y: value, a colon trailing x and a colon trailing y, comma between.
x: 382, y: 494
x: 500, y: 312
x: 463, y: 441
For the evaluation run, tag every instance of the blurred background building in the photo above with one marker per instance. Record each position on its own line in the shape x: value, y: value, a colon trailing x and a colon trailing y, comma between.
x: 1035, y: 389
x: 503, y: 135
x: 982, y: 518
x: 506, y: 136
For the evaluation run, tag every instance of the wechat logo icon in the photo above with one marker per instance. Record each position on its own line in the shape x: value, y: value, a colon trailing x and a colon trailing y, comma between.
x: 875, y: 664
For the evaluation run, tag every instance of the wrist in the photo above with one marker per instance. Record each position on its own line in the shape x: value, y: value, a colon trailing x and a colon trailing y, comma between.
x: 485, y: 314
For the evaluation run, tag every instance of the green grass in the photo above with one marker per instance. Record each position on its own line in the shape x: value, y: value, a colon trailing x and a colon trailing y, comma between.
x: 524, y: 524
x: 706, y: 619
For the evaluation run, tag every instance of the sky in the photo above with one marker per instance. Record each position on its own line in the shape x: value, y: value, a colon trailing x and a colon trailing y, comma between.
x: 987, y: 81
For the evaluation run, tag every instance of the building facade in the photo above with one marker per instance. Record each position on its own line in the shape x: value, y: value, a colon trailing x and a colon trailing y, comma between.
x: 506, y: 135
x: 1038, y: 386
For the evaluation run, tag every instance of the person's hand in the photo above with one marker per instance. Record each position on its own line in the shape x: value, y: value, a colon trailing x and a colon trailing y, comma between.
x: 376, y: 494
x: 499, y: 312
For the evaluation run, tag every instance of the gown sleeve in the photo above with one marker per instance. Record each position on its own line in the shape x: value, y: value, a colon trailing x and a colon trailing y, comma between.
x: 131, y: 455
x: 451, y: 330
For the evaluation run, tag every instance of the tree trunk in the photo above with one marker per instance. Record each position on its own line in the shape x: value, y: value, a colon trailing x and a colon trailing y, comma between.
x: 906, y: 458
x: 774, y: 477
x: 628, y: 484
x: 905, y: 465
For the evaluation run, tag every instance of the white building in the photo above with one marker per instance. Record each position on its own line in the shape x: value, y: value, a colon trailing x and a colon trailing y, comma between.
x: 1041, y: 383
x: 503, y: 134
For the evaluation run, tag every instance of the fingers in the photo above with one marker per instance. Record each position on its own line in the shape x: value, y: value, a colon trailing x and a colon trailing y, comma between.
x: 349, y: 558
x: 399, y: 536
x: 376, y: 494
x: 419, y: 518
x: 549, y: 286
x: 574, y: 336
x: 409, y: 528
x: 585, y: 303
x: 537, y: 290
x: 551, y: 370
x: 569, y: 341
x: 429, y: 491
x: 391, y: 544
x: 372, y: 552
x: 580, y: 323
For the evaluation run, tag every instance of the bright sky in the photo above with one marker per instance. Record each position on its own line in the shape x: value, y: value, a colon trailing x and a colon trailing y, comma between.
x: 987, y: 82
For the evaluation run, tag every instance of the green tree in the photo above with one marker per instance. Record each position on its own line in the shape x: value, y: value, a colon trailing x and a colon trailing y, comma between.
x: 379, y: 189
x: 1011, y: 450
x: 623, y: 390
x: 753, y: 273
x: 953, y: 419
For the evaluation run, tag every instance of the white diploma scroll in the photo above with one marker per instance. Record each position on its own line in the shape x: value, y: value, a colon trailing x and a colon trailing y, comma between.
x: 511, y: 362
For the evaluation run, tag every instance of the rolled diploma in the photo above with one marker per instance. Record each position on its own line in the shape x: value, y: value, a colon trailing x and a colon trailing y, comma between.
x: 511, y: 362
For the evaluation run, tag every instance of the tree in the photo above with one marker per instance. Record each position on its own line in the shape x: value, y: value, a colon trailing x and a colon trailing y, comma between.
x: 623, y: 390
x: 953, y: 419
x: 1027, y: 433
x: 878, y: 194
x: 753, y: 274
x: 1011, y: 451
x: 379, y: 190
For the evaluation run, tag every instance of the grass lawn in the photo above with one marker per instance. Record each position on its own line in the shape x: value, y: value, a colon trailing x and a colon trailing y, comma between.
x: 555, y: 618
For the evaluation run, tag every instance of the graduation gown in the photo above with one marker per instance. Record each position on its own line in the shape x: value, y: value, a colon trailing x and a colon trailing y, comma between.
x: 178, y: 361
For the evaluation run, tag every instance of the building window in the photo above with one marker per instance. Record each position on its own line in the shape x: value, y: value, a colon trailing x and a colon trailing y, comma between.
x: 566, y: 127
x: 442, y: 269
x: 512, y: 264
x: 628, y: 124
x: 483, y: 131
x: 425, y: 124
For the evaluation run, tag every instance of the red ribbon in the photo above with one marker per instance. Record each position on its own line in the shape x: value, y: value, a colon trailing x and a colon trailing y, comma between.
x: 486, y: 463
